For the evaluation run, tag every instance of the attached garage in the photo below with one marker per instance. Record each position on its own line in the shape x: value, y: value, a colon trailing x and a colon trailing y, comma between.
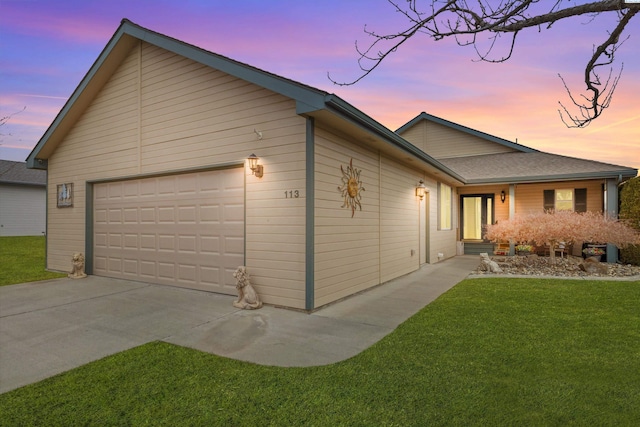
x: 183, y: 230
x: 153, y: 147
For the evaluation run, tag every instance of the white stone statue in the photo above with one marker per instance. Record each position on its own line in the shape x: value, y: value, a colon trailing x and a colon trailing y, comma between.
x: 247, y: 296
x: 487, y: 264
x: 77, y: 270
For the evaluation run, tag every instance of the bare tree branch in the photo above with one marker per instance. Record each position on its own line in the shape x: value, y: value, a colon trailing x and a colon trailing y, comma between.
x: 600, y: 97
x: 472, y: 23
x: 5, y: 119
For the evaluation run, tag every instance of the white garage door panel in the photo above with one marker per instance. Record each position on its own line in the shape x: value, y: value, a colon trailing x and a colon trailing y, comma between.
x: 185, y: 230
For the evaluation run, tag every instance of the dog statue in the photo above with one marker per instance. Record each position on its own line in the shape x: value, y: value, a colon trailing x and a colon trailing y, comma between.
x: 487, y: 264
x: 77, y: 271
x: 247, y: 296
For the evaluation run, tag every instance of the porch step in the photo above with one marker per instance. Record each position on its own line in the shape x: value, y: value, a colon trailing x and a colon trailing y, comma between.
x: 478, y: 248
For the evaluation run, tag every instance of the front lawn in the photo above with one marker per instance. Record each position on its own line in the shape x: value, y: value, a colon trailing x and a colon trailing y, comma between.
x: 22, y: 260
x: 488, y: 352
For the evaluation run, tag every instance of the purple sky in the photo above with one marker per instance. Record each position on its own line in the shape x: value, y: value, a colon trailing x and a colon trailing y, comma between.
x: 46, y: 47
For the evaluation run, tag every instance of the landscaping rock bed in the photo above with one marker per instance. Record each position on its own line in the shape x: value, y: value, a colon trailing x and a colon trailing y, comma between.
x: 569, y: 266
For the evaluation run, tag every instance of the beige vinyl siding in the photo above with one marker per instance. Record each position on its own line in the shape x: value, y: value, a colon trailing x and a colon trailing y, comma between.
x: 347, y: 258
x: 161, y: 112
x: 529, y: 197
x: 379, y: 243
x: 399, y: 220
x: 178, y: 105
x: 417, y: 135
x: 102, y: 144
x: 441, y: 142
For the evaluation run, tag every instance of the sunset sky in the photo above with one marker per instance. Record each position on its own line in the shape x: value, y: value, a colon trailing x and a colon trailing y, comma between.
x: 46, y: 47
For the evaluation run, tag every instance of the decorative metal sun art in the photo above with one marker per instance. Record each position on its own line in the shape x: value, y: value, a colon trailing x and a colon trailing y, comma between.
x: 351, y: 187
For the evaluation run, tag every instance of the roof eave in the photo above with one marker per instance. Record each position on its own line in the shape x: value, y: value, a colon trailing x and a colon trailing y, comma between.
x: 24, y: 184
x: 620, y: 175
x: 93, y: 77
x: 347, y: 111
x: 273, y: 82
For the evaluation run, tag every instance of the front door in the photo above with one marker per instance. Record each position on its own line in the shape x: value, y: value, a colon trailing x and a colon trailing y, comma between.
x: 476, y: 212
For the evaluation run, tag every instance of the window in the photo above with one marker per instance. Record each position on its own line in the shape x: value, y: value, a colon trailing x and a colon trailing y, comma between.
x: 566, y: 199
x: 444, y: 204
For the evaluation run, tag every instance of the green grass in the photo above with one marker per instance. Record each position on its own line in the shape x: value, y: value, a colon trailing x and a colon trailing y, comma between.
x: 22, y: 260
x: 520, y: 352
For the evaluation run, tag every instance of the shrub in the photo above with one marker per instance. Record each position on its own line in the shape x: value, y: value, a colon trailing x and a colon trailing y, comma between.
x: 552, y: 228
x: 630, y: 202
x: 630, y: 211
x: 630, y: 255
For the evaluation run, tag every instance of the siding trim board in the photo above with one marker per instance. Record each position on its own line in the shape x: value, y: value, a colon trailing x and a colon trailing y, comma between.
x: 229, y: 165
x: 88, y: 233
x: 310, y: 216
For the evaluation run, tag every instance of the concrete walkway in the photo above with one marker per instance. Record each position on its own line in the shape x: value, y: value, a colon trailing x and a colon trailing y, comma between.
x: 52, y: 326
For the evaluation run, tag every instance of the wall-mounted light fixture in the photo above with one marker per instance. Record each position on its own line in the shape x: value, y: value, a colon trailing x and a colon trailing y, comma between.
x: 256, y: 169
x: 503, y: 196
x: 421, y: 189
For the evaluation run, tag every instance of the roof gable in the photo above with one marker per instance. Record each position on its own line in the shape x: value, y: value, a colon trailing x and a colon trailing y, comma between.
x: 485, y: 136
x: 309, y: 100
x: 125, y: 38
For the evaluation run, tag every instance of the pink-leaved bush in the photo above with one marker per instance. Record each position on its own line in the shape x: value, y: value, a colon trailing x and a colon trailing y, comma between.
x: 554, y: 227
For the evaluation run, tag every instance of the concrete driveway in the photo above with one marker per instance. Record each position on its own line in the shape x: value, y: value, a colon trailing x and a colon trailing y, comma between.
x: 52, y: 326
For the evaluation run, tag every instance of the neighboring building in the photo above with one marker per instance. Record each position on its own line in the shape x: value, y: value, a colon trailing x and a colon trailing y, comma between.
x: 23, y: 195
x: 148, y: 174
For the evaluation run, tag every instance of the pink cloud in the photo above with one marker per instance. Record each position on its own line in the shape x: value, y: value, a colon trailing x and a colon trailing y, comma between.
x: 38, y: 19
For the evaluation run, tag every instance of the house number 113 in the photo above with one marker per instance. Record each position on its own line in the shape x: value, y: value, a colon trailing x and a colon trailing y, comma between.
x: 291, y: 194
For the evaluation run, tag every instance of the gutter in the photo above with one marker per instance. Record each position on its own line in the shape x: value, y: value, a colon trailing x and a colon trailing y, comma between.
x: 339, y: 106
x: 546, y: 178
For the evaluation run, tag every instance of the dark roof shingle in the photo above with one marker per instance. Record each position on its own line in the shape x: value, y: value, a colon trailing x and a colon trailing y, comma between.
x: 531, y: 167
x: 17, y: 173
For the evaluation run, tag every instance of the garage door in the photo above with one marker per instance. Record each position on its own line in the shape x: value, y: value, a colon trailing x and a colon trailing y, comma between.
x: 185, y: 230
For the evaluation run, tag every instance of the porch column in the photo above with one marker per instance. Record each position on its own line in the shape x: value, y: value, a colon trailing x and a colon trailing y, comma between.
x: 611, y: 210
x: 512, y: 213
